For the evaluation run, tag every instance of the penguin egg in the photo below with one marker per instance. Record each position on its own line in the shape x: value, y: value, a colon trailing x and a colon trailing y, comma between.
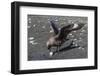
x: 51, y: 53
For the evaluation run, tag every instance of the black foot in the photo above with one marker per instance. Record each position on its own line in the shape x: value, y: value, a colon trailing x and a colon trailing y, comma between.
x: 67, y: 39
x: 72, y: 43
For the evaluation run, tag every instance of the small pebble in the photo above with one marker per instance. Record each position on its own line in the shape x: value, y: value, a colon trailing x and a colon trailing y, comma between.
x: 34, y: 25
x: 56, y: 20
x: 79, y: 47
x: 83, y: 31
x: 74, y: 31
x: 29, y: 26
x: 83, y: 48
x: 29, y: 19
x: 74, y: 39
x: 31, y: 38
x: 43, y: 26
x: 76, y: 45
x: 70, y: 34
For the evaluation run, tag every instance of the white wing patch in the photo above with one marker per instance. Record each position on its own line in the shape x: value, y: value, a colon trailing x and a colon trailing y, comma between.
x: 75, y: 25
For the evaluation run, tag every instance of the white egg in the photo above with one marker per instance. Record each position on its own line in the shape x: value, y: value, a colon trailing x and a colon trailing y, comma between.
x: 51, y: 53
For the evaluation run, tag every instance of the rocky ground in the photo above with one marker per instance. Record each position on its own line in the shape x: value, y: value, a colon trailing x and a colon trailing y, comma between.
x: 39, y: 32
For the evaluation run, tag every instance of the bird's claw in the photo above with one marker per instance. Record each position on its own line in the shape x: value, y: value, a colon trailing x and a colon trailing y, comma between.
x: 72, y: 42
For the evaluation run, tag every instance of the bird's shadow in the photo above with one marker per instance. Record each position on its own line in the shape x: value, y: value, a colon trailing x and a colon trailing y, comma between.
x: 67, y: 48
x: 64, y: 49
